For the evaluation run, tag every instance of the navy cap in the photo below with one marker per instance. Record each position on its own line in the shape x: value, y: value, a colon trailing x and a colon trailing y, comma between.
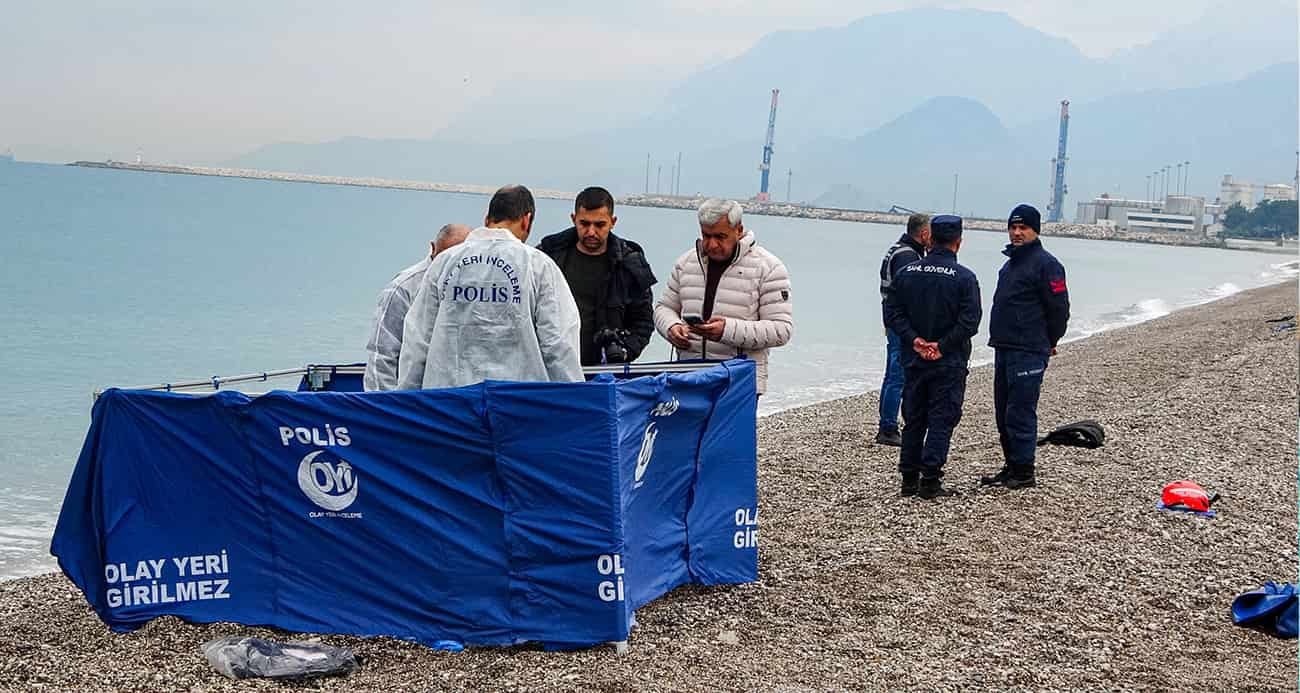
x: 945, y: 229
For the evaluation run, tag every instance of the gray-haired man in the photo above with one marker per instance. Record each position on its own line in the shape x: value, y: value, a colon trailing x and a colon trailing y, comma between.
x: 727, y: 295
x: 385, y: 345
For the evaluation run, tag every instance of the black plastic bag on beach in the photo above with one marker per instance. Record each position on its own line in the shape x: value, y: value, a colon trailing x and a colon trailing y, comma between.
x: 240, y: 657
x: 1080, y: 434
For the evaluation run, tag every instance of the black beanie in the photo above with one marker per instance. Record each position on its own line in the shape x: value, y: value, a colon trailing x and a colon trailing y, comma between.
x: 1027, y: 215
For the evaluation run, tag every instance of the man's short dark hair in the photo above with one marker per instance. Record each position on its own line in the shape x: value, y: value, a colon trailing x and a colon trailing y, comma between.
x: 592, y: 199
x: 916, y: 222
x: 510, y: 203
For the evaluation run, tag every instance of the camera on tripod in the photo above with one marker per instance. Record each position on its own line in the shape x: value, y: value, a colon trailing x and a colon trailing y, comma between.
x: 612, y: 344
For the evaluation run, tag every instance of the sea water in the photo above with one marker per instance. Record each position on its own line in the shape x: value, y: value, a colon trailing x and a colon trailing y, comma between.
x: 114, y: 278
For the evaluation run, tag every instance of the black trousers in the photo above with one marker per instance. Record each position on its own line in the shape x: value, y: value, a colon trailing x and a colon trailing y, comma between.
x: 932, y: 402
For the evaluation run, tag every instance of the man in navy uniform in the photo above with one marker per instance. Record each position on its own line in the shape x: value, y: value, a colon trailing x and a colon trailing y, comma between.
x: 934, y: 307
x: 909, y: 248
x: 1031, y: 308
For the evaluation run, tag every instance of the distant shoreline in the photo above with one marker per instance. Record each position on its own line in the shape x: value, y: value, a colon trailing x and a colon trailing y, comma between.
x: 284, y: 177
x: 1090, y: 232
x: 1083, y: 231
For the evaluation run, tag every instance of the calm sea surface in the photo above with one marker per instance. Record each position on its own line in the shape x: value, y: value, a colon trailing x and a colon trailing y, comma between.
x: 119, y: 278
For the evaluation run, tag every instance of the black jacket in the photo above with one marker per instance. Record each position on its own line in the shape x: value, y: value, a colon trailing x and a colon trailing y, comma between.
x: 903, y: 252
x: 1031, y: 305
x: 628, y: 300
x: 937, y: 300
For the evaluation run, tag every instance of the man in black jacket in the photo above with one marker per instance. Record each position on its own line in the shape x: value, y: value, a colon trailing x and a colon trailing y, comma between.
x: 909, y: 248
x: 934, y: 306
x: 610, y: 280
x: 1031, y: 308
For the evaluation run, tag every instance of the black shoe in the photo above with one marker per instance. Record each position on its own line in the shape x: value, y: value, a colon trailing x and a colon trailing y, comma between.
x: 1018, y: 482
x: 911, y: 484
x: 997, y: 479
x: 893, y: 438
x: 933, y: 488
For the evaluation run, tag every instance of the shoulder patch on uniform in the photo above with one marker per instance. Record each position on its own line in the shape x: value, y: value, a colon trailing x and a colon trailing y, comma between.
x: 1058, y: 286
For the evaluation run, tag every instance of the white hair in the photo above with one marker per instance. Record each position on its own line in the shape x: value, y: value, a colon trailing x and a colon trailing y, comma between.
x: 713, y: 209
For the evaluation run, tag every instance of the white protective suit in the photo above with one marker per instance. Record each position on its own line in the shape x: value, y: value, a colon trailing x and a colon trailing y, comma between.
x: 490, y: 308
x: 386, y: 336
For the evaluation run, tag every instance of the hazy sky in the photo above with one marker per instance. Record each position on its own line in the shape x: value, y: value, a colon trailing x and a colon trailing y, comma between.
x: 188, y: 83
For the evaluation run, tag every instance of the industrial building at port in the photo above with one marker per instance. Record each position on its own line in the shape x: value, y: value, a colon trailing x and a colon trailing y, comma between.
x: 1180, y: 213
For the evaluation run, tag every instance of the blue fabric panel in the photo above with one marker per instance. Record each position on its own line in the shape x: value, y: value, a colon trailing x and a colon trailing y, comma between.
x: 723, y: 520
x: 164, y: 513
x: 661, y: 421
x: 563, y: 527
x: 489, y: 514
x: 418, y: 552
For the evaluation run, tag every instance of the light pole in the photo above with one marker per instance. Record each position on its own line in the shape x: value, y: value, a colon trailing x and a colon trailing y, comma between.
x: 1178, y: 178
x: 677, y: 176
x: 1187, y: 174
x: 1148, y: 188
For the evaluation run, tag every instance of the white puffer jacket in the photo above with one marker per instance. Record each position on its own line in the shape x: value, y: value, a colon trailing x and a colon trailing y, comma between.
x: 753, y: 295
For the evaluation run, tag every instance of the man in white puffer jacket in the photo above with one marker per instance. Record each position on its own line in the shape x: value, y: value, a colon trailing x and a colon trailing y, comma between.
x: 736, y: 293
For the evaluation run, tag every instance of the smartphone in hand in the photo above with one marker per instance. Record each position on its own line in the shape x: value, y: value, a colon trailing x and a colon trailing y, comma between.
x: 692, y: 319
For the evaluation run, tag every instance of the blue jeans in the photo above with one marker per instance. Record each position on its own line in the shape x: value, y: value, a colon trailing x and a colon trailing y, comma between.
x: 891, y: 390
x: 1017, y: 380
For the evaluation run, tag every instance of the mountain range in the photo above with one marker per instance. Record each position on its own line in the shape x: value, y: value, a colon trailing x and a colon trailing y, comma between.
x: 885, y: 110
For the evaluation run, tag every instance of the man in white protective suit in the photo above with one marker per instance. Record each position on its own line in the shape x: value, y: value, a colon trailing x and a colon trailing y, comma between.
x: 385, y: 345
x: 492, y: 308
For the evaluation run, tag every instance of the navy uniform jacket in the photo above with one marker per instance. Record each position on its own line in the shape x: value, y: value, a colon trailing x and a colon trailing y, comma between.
x: 1031, y: 305
x: 937, y: 300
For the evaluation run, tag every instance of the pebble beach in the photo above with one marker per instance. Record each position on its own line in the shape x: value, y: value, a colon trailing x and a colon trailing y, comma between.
x: 1077, y: 584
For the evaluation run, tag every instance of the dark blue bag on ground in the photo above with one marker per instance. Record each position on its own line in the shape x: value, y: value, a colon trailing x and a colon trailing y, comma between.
x: 1272, y: 609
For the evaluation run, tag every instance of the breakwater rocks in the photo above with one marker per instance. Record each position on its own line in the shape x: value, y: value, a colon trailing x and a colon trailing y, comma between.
x: 779, y: 209
x: 784, y: 209
x: 285, y: 177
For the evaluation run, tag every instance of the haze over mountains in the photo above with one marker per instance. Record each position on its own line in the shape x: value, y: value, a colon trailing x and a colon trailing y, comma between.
x: 884, y: 111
